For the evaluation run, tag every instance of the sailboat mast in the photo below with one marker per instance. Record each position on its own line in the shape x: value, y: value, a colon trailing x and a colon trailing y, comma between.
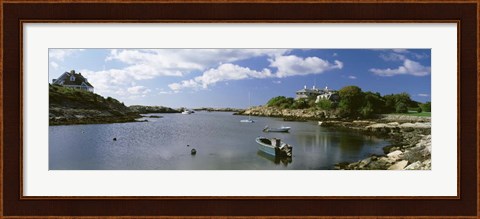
x: 249, y: 105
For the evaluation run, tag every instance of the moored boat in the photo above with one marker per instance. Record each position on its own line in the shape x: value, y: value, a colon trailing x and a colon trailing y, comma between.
x: 247, y: 120
x: 274, y: 146
x: 187, y: 112
x: 281, y: 129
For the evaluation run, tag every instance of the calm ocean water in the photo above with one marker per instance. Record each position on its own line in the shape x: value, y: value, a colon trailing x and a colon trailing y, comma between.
x: 221, y: 140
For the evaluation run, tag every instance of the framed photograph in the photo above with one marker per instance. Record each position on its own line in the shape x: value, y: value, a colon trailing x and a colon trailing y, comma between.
x: 237, y: 109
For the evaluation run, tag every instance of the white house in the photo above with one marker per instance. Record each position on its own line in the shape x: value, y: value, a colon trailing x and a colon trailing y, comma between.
x: 328, y: 94
x: 306, y: 93
x: 319, y: 94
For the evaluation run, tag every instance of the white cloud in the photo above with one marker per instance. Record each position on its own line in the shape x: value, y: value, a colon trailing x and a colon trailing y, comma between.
x: 400, y: 50
x: 409, y: 67
x: 420, y: 56
x: 133, y: 92
x: 178, y: 62
x: 393, y: 57
x: 224, y: 72
x: 54, y: 65
x: 184, y: 84
x: 166, y: 92
x: 138, y: 90
x: 287, y: 66
x: 352, y: 77
x: 110, y: 82
x: 334, y: 54
x: 108, y: 77
x: 144, y: 64
x: 423, y: 95
x: 60, y: 54
x: 147, y: 64
x: 401, y: 54
x: 293, y: 65
x: 277, y: 82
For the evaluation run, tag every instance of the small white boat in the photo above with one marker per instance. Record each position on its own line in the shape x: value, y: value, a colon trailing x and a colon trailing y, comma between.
x: 187, y: 112
x: 281, y: 129
x: 249, y: 120
x: 274, y: 147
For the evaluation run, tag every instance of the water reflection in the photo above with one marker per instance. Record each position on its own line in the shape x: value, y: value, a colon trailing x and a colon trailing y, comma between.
x: 276, y: 160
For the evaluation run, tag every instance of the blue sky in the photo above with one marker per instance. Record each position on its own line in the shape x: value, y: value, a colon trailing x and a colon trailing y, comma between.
x: 225, y: 77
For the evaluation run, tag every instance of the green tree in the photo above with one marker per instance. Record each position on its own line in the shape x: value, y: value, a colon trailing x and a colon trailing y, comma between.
x: 281, y: 102
x: 403, y: 98
x: 325, y: 104
x: 351, y: 100
x: 426, y: 107
x: 398, y: 103
x: 401, y: 108
x: 311, y: 101
x: 375, y: 102
x: 367, y: 111
x: 276, y: 101
x: 390, y: 103
x: 288, y: 102
x: 300, y: 104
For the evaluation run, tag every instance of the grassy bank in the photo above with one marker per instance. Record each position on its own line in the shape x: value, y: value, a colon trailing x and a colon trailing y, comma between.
x: 422, y: 114
x: 72, y: 106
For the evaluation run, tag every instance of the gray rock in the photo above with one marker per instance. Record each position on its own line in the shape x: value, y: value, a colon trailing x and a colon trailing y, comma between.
x: 408, y: 129
x: 407, y: 125
x: 426, y: 165
x: 414, y: 166
x: 395, y: 155
x: 403, y: 118
x: 379, y: 126
x: 417, y: 125
x: 413, y: 155
x: 394, y: 149
x: 380, y: 164
x: 353, y: 165
x: 364, y: 162
x: 399, y: 165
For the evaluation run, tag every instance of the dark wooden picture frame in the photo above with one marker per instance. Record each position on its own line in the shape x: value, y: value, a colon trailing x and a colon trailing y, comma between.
x: 13, y: 13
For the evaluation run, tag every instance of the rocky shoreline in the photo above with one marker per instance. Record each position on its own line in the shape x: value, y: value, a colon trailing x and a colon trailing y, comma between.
x: 152, y: 109
x: 68, y: 116
x: 294, y: 114
x: 410, y: 136
x: 211, y: 109
x: 410, y: 149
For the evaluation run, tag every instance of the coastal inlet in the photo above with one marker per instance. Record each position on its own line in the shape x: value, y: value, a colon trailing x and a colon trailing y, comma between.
x: 220, y: 141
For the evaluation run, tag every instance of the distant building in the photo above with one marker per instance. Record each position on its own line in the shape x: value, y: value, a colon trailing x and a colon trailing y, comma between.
x: 306, y: 93
x: 327, y: 94
x: 73, y: 80
x: 318, y: 94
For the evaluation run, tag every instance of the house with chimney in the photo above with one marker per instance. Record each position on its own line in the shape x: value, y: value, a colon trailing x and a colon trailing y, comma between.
x: 306, y: 93
x: 73, y: 80
x: 318, y: 94
x: 328, y: 94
